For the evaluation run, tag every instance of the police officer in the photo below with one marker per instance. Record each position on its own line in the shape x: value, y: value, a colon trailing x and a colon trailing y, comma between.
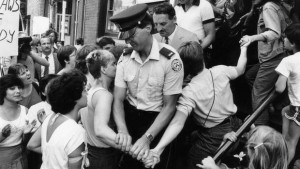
x: 147, y: 85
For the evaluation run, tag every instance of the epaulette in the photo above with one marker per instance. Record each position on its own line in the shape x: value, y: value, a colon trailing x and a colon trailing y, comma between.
x: 127, y: 51
x: 166, y: 52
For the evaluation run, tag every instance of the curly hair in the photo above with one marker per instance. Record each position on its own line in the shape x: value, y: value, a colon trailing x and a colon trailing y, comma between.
x: 267, y: 149
x: 96, y: 60
x: 63, y: 54
x: 81, y: 56
x: 8, y: 81
x: 48, y: 32
x: 64, y: 91
x: 165, y: 8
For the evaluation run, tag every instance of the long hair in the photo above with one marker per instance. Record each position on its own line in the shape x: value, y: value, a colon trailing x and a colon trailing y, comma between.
x: 267, y: 149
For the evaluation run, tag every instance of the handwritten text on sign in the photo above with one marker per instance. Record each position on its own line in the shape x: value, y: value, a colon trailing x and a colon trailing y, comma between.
x: 9, y: 27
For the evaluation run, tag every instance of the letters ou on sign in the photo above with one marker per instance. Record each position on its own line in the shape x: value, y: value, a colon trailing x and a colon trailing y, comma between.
x: 9, y: 27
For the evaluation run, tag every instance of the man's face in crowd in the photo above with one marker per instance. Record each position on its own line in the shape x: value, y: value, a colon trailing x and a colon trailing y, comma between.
x: 108, y: 46
x: 46, y: 45
x: 138, y: 40
x: 163, y: 24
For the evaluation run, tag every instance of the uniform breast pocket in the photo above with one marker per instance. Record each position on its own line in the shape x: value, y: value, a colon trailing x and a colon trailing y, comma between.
x: 132, y: 88
x: 155, y: 88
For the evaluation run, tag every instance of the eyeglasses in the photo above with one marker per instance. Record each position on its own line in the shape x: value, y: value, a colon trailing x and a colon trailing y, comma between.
x: 132, y: 35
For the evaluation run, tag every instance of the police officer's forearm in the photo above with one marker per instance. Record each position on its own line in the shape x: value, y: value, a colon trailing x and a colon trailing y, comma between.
x: 165, y: 115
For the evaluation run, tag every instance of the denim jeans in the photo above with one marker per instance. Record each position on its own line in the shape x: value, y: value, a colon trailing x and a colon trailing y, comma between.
x: 107, y: 158
x: 264, y: 83
x: 206, y: 143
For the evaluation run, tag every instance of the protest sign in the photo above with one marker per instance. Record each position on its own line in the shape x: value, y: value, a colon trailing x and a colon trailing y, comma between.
x: 9, y: 28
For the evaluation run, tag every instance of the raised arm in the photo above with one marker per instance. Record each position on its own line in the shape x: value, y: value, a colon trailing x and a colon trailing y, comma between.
x: 102, y: 101
x: 123, y: 138
x: 38, y: 59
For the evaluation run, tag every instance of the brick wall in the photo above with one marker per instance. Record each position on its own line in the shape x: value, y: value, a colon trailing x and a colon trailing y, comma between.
x: 35, y: 8
x: 91, y: 21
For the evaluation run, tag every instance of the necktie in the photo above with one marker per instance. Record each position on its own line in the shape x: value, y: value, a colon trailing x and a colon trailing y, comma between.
x: 46, y: 71
x: 167, y: 40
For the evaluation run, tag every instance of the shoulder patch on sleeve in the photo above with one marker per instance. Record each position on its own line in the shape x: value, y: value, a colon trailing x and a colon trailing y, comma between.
x: 127, y: 51
x: 176, y: 65
x: 166, y: 52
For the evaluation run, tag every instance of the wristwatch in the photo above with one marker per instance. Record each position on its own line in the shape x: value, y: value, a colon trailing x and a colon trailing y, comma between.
x: 149, y: 137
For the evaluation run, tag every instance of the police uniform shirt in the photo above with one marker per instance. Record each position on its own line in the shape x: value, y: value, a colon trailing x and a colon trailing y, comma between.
x: 148, y: 82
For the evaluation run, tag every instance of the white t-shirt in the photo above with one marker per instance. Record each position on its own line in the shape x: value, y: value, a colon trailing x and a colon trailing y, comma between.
x: 33, y: 111
x: 198, y: 95
x: 194, y: 18
x: 17, y: 129
x: 64, y: 140
x: 289, y: 67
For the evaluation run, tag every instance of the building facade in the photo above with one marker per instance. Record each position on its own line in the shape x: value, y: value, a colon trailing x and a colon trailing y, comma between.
x: 88, y: 19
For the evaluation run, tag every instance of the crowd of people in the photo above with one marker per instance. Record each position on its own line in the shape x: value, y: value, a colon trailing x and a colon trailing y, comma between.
x: 161, y: 102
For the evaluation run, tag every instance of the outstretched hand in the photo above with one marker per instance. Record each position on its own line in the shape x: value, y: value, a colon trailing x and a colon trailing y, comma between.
x: 29, y: 126
x: 152, y: 159
x: 246, y: 41
x: 140, y: 149
x: 123, y: 140
x: 208, y: 163
x: 6, y: 131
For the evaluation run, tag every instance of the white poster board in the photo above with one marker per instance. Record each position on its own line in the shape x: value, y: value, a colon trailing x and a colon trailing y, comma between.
x: 9, y: 29
x: 40, y: 25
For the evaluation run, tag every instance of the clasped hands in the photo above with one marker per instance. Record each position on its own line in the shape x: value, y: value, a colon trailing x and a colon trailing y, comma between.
x: 140, y: 150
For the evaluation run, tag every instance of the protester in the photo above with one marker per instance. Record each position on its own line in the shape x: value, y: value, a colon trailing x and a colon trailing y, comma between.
x: 30, y: 94
x: 98, y: 123
x: 79, y: 43
x: 81, y: 62
x: 105, y: 43
x: 266, y: 149
x: 13, y: 124
x: 29, y: 57
x: 147, y: 85
x: 53, y: 35
x: 208, y: 99
x: 42, y: 109
x: 270, y: 26
x: 289, y: 74
x: 61, y: 139
x: 66, y: 56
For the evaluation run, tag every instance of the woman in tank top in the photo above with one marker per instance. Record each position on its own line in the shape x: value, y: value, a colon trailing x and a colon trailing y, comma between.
x: 102, y: 151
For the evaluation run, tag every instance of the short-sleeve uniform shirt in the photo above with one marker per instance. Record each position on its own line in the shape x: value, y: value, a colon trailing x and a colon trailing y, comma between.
x: 147, y: 82
x: 289, y: 67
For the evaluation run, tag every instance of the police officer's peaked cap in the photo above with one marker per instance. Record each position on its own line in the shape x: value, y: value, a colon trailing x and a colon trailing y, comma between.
x: 128, y: 19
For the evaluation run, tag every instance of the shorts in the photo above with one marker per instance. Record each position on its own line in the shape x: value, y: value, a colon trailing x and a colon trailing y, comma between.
x: 293, y: 114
